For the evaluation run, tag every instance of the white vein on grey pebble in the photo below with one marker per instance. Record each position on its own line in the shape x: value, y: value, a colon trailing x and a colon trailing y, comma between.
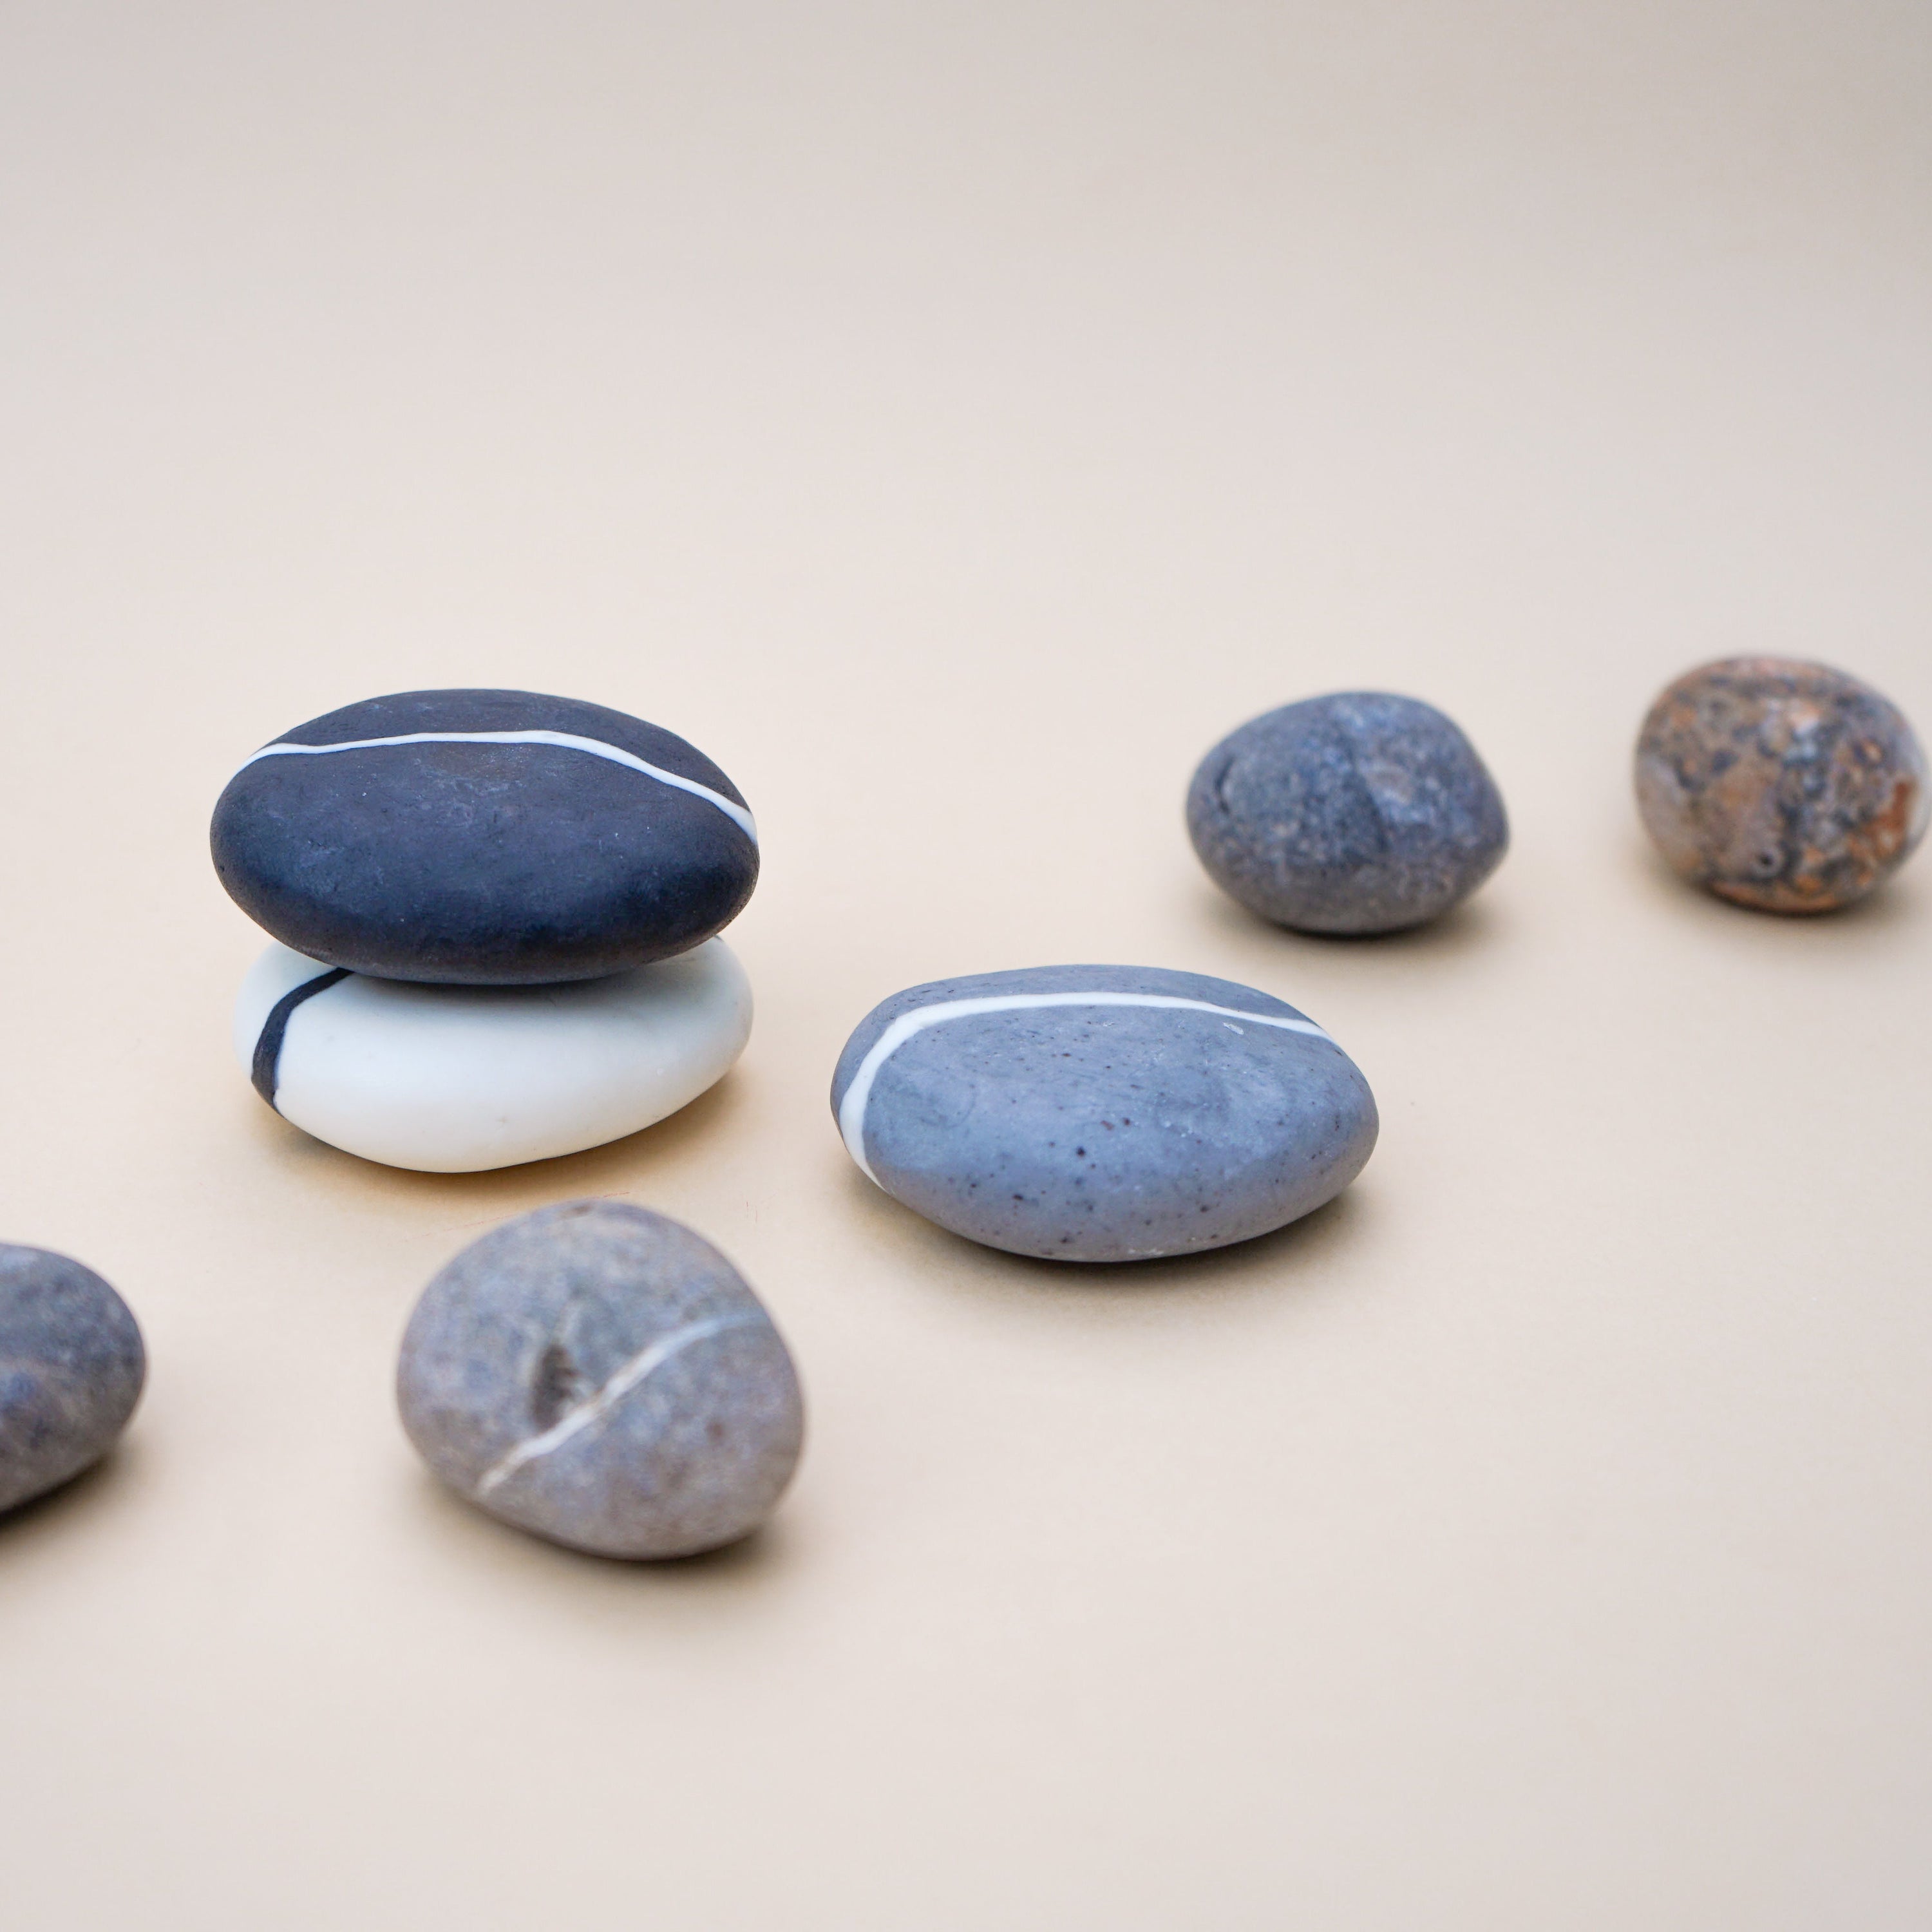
x: 594, y: 1408
x: 852, y: 1109
x: 568, y: 740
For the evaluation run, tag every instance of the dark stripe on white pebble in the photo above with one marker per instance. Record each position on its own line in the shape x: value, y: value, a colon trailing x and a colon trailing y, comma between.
x: 265, y: 1070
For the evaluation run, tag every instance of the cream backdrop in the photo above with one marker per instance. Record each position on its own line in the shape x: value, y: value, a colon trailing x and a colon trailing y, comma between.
x: 953, y: 418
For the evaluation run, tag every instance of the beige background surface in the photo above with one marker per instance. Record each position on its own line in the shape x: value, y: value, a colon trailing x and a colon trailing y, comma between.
x: 954, y: 418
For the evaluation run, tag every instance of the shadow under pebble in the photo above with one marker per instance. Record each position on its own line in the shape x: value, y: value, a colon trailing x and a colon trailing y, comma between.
x: 1294, y: 1258
x: 492, y: 1193
x: 1474, y: 923
x: 1887, y: 910
x: 94, y: 1490
x: 471, y: 1535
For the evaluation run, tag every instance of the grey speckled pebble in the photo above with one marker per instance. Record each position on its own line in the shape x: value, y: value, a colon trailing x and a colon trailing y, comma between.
x: 1101, y: 1113
x: 1357, y: 813
x: 599, y: 1374
x: 71, y: 1368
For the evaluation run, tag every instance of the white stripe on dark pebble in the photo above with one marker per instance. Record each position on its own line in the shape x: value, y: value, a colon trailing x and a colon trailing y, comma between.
x: 852, y: 1109
x: 567, y: 740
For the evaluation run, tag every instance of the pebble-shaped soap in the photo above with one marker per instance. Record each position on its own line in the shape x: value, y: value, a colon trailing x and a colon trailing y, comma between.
x: 600, y: 1374
x: 1101, y: 1113
x: 1361, y: 812
x: 484, y: 837
x: 71, y: 1368
x: 453, y: 1079
x: 1780, y: 785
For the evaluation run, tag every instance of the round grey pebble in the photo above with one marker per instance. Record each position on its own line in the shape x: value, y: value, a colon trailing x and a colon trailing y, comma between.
x: 1101, y: 1113
x: 1361, y: 812
x: 599, y: 1374
x: 71, y: 1368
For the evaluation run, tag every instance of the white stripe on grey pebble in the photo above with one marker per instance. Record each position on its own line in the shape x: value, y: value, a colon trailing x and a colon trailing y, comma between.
x: 568, y: 740
x: 852, y: 1109
x: 594, y: 1408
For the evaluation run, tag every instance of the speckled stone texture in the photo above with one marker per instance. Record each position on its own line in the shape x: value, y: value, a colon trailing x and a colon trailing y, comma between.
x: 71, y: 1368
x: 599, y: 1374
x: 1361, y: 812
x: 1780, y: 785
x: 465, y: 862
x: 1101, y: 1113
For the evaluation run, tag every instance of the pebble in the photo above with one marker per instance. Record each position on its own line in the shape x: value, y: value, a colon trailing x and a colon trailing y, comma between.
x: 456, y: 1079
x: 1101, y: 1113
x: 1780, y: 785
x: 484, y: 837
x: 599, y: 1374
x: 71, y: 1368
x: 1357, y: 813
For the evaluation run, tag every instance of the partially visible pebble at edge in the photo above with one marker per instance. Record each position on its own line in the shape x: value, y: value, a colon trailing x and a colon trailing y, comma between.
x: 599, y: 1374
x: 71, y: 1369
x: 1360, y: 812
x: 1780, y: 785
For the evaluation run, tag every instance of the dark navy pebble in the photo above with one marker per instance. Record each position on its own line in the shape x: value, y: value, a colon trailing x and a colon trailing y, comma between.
x: 468, y: 862
x: 1101, y: 1113
x: 1357, y: 813
x: 71, y: 1367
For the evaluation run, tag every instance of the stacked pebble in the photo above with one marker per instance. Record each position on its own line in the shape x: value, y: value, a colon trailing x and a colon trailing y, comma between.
x: 496, y: 915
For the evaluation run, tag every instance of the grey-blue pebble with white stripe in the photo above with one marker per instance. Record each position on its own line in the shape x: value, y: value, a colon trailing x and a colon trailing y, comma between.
x: 71, y: 1368
x: 1101, y: 1113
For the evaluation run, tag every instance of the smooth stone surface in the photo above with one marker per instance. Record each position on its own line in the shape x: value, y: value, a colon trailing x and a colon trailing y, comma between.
x: 1101, y: 1113
x: 453, y: 1079
x: 71, y: 1368
x: 594, y: 843
x: 1780, y: 785
x: 600, y: 1374
x: 1357, y: 813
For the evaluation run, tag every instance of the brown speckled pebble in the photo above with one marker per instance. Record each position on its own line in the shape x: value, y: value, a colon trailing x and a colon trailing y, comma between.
x: 1786, y: 786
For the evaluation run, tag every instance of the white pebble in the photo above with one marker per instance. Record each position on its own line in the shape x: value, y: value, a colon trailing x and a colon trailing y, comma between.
x: 455, y: 1079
